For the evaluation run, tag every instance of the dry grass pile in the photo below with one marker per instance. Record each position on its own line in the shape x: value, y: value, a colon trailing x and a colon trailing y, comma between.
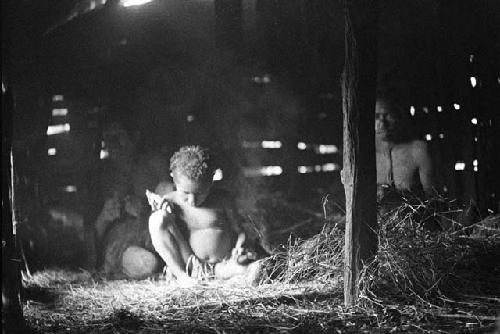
x: 425, y: 256
x: 419, y: 263
x: 319, y: 258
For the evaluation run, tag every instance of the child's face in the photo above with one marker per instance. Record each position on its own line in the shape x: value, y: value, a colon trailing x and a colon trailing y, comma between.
x: 193, y: 193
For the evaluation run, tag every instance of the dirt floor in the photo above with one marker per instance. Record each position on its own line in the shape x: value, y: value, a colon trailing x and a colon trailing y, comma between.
x: 58, y: 301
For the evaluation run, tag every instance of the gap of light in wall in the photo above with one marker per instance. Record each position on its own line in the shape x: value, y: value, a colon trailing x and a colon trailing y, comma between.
x: 130, y: 3
x: 190, y: 118
x: 473, y: 81
x: 459, y: 165
x: 59, y: 112
x: 456, y: 106
x: 272, y: 144
x: 70, y: 189
x: 428, y: 137
x: 325, y: 149
x: 51, y: 151
x: 412, y: 110
x: 439, y: 108
x: 262, y: 171
x: 58, y: 129
x: 474, y: 121
x: 475, y: 163
x: 301, y: 146
x: 330, y: 167
x: 426, y: 110
x: 441, y: 135
x: 476, y: 168
x: 104, y: 154
x: 305, y: 169
x: 218, y: 175
x: 471, y: 58
x: 475, y: 139
x: 57, y: 98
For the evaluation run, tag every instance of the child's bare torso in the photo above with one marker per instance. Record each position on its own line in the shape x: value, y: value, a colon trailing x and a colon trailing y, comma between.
x: 208, y: 229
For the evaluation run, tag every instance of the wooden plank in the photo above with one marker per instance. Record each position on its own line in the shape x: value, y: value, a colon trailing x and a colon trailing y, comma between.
x: 359, y: 171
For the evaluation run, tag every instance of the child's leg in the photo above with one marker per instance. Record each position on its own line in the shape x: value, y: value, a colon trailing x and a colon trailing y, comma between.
x: 169, y: 242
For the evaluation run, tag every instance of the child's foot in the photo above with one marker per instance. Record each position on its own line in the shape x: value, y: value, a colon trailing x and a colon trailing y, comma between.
x: 254, y: 272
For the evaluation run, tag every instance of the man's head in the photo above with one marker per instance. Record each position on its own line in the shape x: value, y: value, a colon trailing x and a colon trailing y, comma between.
x: 192, y: 169
x: 386, y: 119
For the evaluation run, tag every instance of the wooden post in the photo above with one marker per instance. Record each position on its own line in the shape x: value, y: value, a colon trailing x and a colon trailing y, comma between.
x: 12, y: 314
x: 359, y: 171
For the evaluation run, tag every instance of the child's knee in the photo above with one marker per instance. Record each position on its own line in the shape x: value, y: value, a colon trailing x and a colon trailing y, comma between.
x: 160, y: 222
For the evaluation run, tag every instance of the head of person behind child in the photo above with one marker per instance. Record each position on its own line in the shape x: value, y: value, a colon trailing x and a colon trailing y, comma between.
x: 192, y: 169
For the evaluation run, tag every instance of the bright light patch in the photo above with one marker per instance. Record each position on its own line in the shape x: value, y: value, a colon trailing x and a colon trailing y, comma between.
x: 317, y: 168
x: 130, y: 3
x: 475, y: 139
x: 459, y: 165
x: 57, y: 98
x: 190, y: 118
x: 52, y: 151
x: 301, y: 146
x: 262, y: 171
x: 412, y: 110
x: 266, y: 78
x: 471, y: 58
x: 218, y: 175
x: 456, y: 106
x: 474, y: 121
x: 330, y: 167
x: 271, y: 144
x: 475, y: 163
x: 326, y: 149
x: 305, y: 169
x: 104, y: 154
x: 441, y: 135
x: 428, y: 137
x: 439, y: 108
x: 57, y: 129
x: 473, y: 81
x: 59, y: 112
x: 70, y: 189
x: 476, y: 168
x: 426, y: 110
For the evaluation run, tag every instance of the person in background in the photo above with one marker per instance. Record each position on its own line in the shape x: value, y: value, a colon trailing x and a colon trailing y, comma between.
x: 404, y: 165
x: 118, y: 206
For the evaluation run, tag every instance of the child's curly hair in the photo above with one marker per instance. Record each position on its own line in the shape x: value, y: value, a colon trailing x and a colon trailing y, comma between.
x: 195, y: 162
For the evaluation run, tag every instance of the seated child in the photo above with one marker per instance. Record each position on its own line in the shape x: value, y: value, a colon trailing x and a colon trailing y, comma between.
x: 194, y: 228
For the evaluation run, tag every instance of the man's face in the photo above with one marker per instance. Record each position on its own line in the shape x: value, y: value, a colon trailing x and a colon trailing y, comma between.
x: 385, y: 120
x: 191, y: 192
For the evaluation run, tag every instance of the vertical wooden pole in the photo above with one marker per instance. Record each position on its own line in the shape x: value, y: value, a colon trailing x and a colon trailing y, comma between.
x: 12, y: 314
x: 359, y: 171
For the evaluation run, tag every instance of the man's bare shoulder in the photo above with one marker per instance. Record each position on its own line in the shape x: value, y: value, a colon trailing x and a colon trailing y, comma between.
x: 419, y: 147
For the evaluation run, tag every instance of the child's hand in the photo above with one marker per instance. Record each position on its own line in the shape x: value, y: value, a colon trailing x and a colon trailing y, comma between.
x: 237, y: 251
x: 158, y: 202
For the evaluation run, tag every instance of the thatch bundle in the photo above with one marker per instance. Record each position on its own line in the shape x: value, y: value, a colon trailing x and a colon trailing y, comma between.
x: 425, y: 255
